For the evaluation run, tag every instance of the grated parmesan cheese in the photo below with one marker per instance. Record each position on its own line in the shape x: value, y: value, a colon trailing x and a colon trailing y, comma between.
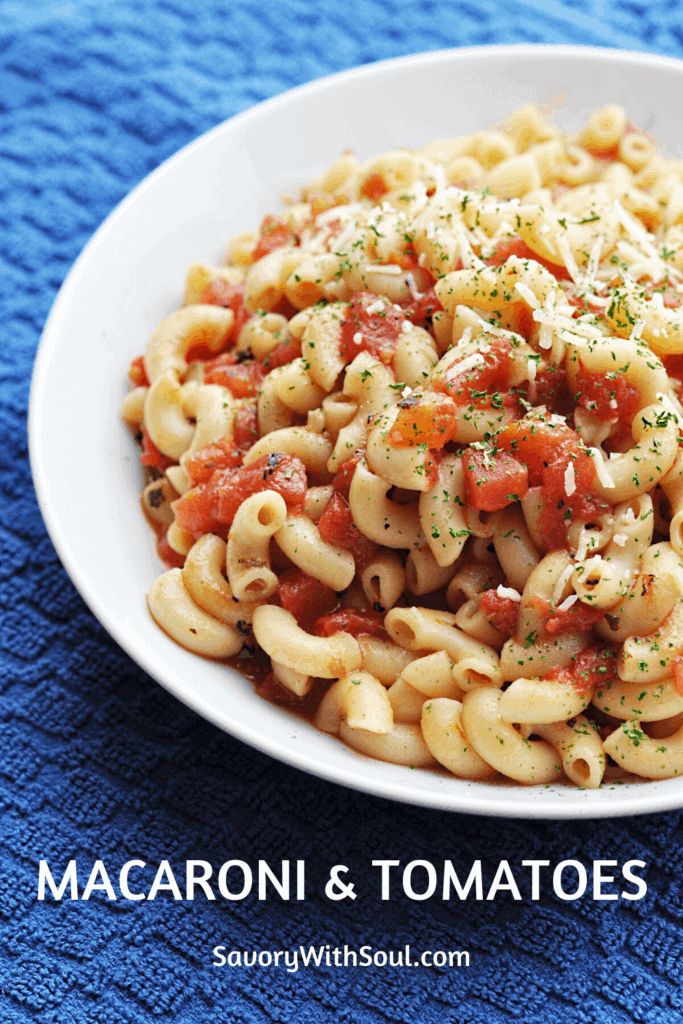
x: 561, y: 582
x: 508, y: 592
x: 620, y: 539
x: 377, y: 307
x: 525, y: 292
x: 470, y: 362
x: 412, y: 287
x: 567, y: 603
x: 569, y: 480
x: 600, y: 468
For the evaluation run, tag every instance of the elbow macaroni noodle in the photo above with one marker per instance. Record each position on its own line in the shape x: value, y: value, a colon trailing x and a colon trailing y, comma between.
x: 417, y: 448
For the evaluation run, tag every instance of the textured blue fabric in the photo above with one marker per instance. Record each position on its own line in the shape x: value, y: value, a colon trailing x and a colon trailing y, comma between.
x: 95, y: 759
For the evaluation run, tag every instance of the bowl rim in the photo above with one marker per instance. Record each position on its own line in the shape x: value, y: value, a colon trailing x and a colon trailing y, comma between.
x: 479, y: 800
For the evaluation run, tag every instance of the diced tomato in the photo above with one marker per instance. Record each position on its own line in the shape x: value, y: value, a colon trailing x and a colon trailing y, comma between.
x: 427, y: 418
x: 245, y: 427
x: 167, y: 555
x: 480, y: 385
x: 607, y: 394
x: 221, y: 454
x: 508, y: 247
x: 501, y: 612
x: 588, y: 669
x: 560, y: 510
x: 336, y: 526
x: 579, y: 617
x: 274, y: 233
x: 284, y: 352
x: 276, y: 472
x: 537, y: 442
x: 137, y: 374
x: 348, y: 620
x: 304, y: 596
x: 151, y: 456
x: 420, y: 311
x: 230, y: 296
x: 243, y: 379
x: 493, y: 480
x: 551, y: 390
x: 210, y: 506
x: 344, y: 475
x: 678, y: 674
x: 372, y: 324
x: 674, y: 366
x: 374, y: 187
x: 195, y: 510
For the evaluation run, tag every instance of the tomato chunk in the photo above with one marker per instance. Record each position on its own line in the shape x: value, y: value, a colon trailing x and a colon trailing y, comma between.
x: 283, y: 353
x: 210, y: 506
x: 151, y: 456
x: 137, y: 374
x: 551, y: 389
x: 245, y: 427
x: 481, y: 384
x: 243, y: 379
x: 220, y: 455
x: 589, y: 668
x: 274, y: 233
x: 502, y: 612
x: 230, y: 296
x: 508, y: 247
x: 167, y: 555
x: 336, y: 526
x: 195, y: 511
x: 579, y: 617
x: 374, y: 187
x: 420, y: 311
x: 493, y: 480
x: 276, y: 472
x: 561, y: 509
x: 348, y: 620
x: 304, y: 596
x: 344, y: 475
x: 608, y: 395
x: 372, y: 324
x: 428, y: 418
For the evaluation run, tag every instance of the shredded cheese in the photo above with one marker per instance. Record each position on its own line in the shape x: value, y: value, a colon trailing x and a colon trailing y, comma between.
x: 569, y: 480
x: 508, y: 592
x: 601, y: 469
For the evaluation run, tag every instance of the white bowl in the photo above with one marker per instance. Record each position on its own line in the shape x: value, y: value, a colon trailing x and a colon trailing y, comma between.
x: 130, y: 275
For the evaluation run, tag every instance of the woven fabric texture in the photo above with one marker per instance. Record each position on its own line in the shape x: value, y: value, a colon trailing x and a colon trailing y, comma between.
x: 95, y: 759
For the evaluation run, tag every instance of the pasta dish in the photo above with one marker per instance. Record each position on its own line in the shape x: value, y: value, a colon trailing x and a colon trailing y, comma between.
x: 413, y: 454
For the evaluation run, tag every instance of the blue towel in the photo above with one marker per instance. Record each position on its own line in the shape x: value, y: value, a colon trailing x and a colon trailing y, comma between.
x: 98, y: 761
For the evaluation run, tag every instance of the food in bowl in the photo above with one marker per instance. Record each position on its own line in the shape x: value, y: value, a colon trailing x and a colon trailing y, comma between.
x: 413, y: 454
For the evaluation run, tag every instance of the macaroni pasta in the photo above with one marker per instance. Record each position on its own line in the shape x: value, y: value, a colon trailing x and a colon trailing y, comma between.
x: 414, y: 458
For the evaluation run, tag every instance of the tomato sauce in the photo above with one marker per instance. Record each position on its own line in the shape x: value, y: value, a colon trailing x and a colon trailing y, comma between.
x: 501, y: 612
x: 588, y: 669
